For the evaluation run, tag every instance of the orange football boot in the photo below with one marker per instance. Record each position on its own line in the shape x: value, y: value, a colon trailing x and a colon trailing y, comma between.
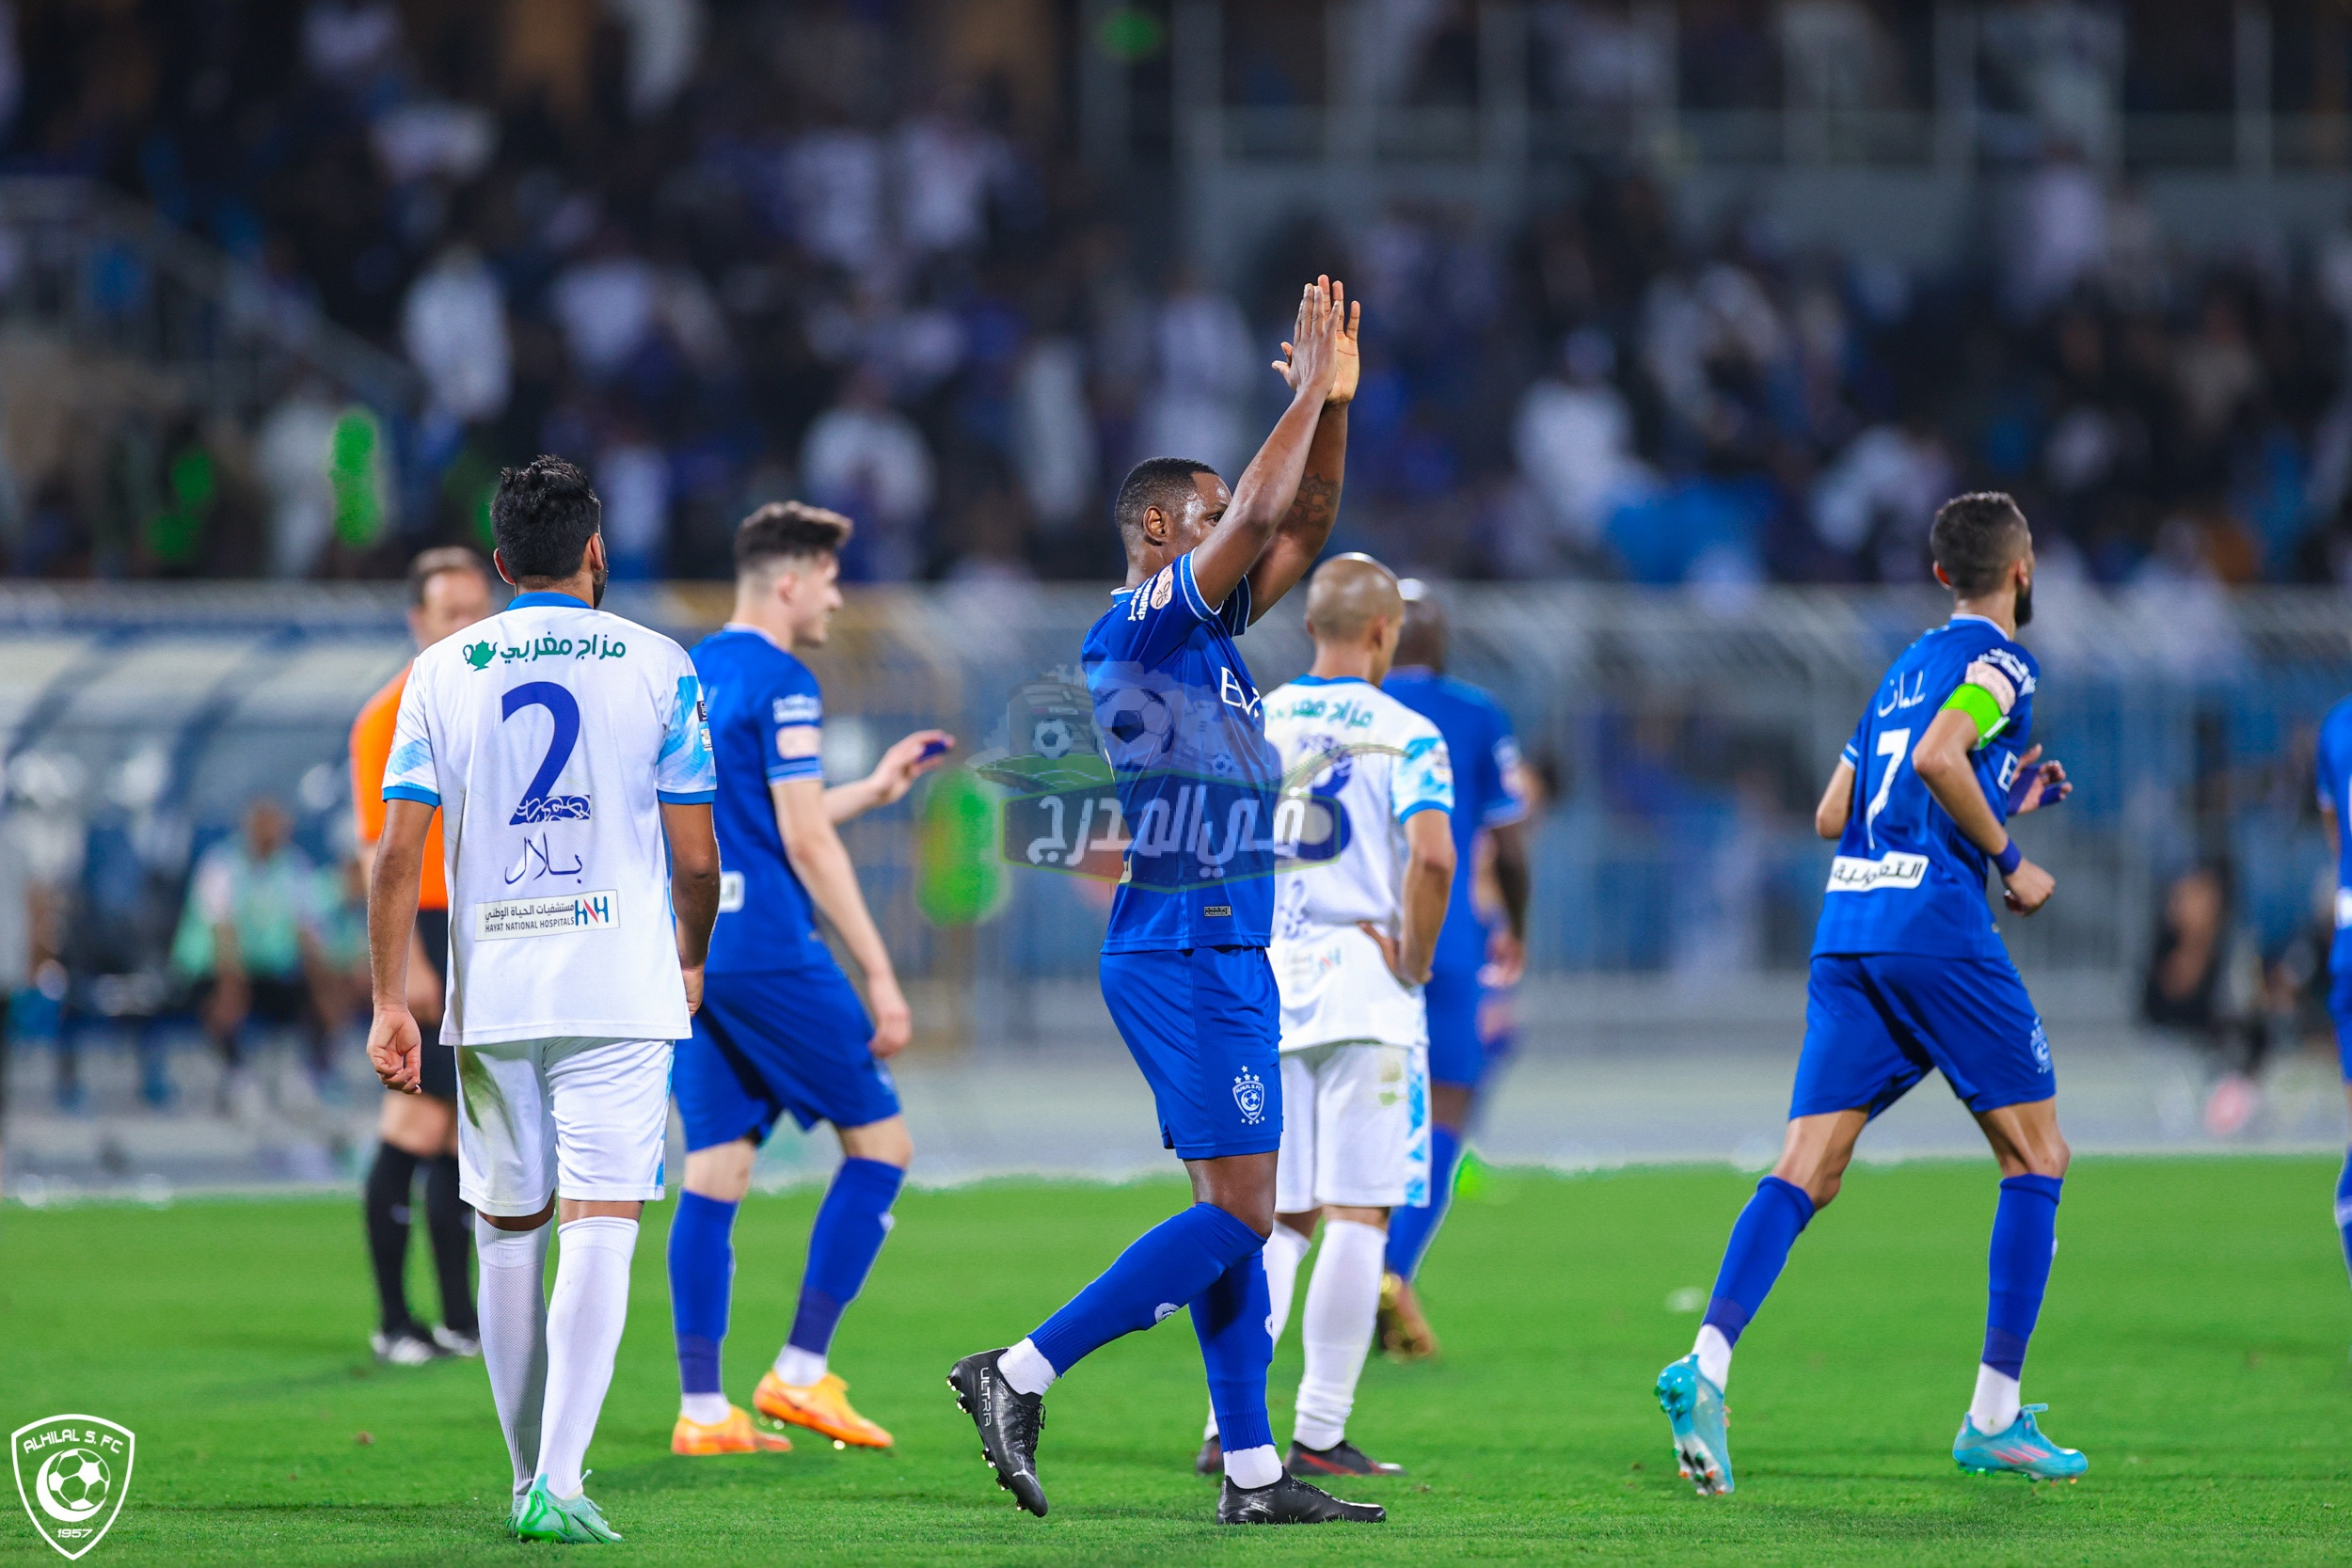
x: 736, y: 1435
x: 823, y: 1406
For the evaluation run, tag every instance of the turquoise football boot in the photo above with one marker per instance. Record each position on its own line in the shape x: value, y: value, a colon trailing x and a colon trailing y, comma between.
x: 544, y: 1516
x: 1695, y: 1408
x: 2020, y: 1451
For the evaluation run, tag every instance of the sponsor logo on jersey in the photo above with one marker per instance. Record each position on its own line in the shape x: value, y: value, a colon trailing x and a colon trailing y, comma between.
x: 545, y: 917
x: 1163, y: 587
x: 730, y: 891
x: 803, y: 710
x: 1853, y: 874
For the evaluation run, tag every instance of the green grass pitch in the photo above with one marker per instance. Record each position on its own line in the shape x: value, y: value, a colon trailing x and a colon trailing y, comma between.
x: 2194, y: 1345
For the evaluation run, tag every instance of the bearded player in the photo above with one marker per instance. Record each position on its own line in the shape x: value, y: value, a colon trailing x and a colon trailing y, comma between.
x: 1184, y: 967
x: 1909, y: 975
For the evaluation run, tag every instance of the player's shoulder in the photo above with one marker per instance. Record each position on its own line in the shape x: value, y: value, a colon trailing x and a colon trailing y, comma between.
x: 2335, y: 725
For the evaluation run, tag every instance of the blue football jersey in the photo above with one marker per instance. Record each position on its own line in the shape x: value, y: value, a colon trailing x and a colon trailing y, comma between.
x: 1906, y: 879
x: 2335, y: 787
x: 1180, y: 722
x: 1485, y: 755
x: 765, y: 717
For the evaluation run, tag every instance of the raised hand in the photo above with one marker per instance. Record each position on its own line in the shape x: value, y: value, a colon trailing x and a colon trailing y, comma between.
x: 1311, y: 361
x: 909, y: 760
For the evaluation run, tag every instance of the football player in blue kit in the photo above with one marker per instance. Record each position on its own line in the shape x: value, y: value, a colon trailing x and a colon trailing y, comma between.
x: 1184, y: 967
x: 1473, y: 960
x: 2335, y: 786
x: 781, y: 1029
x: 1909, y: 975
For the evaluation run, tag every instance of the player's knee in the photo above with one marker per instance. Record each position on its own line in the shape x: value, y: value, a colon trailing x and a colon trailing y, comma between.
x: 886, y: 1142
x: 722, y: 1172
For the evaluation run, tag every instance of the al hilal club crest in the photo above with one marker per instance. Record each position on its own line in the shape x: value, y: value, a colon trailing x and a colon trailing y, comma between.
x: 72, y: 1473
x: 1249, y: 1094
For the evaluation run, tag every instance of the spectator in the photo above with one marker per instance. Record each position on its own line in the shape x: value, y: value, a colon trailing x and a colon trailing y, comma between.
x: 664, y: 38
x: 454, y: 328
x: 1053, y: 444
x: 1574, y: 439
x: 2204, y: 986
x: 1206, y: 372
x: 1873, y: 505
x: 633, y: 481
x: 865, y: 459
x: 606, y: 305
x: 249, y: 939
x: 946, y: 168
x: 835, y: 177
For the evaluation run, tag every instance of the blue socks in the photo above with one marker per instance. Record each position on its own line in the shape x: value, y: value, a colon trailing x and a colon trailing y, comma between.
x: 1230, y: 1318
x: 2025, y: 1232
x: 1767, y: 1229
x: 1162, y: 1270
x: 1410, y: 1229
x: 851, y: 1225
x: 702, y: 1275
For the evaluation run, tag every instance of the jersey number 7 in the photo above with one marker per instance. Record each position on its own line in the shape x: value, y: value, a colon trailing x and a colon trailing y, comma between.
x: 1894, y: 745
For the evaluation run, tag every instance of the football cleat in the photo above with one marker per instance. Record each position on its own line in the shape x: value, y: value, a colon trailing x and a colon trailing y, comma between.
x: 1340, y: 1459
x: 1011, y: 1423
x: 545, y: 1517
x: 1210, y: 1460
x: 405, y: 1348
x: 457, y: 1343
x: 1694, y: 1406
x: 1291, y: 1501
x: 1400, y: 1330
x: 822, y: 1407
x: 2020, y: 1450
x: 736, y: 1435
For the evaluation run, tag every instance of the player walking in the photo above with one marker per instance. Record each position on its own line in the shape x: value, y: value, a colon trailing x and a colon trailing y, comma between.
x: 1184, y: 967
x: 780, y: 1027
x: 448, y: 590
x: 1909, y: 974
x: 1472, y: 963
x: 1367, y: 788
x: 567, y: 749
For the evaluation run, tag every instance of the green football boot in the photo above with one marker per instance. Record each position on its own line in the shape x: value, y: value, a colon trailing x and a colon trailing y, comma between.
x: 2021, y: 1449
x: 1694, y: 1406
x: 544, y: 1516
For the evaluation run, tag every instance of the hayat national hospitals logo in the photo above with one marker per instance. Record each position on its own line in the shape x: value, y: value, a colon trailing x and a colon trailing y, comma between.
x: 72, y: 1473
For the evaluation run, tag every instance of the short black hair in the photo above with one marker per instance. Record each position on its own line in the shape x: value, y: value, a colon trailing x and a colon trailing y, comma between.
x: 787, y: 531
x: 1162, y: 481
x: 1975, y: 538
x: 442, y: 558
x: 542, y: 518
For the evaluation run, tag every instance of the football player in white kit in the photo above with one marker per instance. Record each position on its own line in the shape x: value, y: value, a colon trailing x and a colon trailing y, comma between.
x: 1367, y: 793
x: 568, y: 751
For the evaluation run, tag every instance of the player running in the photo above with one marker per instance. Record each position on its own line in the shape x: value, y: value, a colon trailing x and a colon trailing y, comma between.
x: 1367, y: 788
x: 1184, y: 967
x: 1909, y: 974
x: 1474, y: 966
x: 448, y: 590
x: 567, y: 749
x: 779, y: 1028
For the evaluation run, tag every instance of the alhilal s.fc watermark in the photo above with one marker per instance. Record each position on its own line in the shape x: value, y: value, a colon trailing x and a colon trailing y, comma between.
x: 72, y: 1473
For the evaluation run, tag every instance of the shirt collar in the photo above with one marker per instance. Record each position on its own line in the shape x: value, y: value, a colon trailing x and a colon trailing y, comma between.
x: 1972, y: 615
x: 756, y: 631
x: 1330, y: 680
x: 543, y: 599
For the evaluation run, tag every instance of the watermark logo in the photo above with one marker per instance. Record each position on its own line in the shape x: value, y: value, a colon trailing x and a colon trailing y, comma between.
x: 72, y: 1473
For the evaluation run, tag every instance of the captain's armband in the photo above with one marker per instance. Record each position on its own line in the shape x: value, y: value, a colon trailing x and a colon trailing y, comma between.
x: 1985, y: 694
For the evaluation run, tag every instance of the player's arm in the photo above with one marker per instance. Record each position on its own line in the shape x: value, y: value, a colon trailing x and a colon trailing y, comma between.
x: 1836, y: 802
x: 693, y: 887
x: 2335, y: 839
x: 1299, y: 538
x: 822, y: 863
x: 1268, y: 489
x: 1942, y: 760
x: 393, y: 1043
x: 1507, y: 948
x: 892, y: 777
x: 1428, y: 884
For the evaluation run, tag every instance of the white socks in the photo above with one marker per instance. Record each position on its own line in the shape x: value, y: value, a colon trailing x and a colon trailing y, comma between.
x: 584, y: 1321
x: 1995, y: 1404
x: 1714, y: 1354
x: 708, y: 1409
x: 801, y: 1368
x: 1254, y: 1467
x: 1342, y: 1302
x: 1025, y: 1369
x: 513, y: 1308
x: 1284, y: 1251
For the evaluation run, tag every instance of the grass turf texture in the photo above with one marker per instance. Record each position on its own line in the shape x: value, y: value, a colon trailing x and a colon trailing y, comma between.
x: 2194, y: 1346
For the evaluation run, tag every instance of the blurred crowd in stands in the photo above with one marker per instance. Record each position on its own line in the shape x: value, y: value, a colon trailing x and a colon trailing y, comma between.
x: 722, y: 253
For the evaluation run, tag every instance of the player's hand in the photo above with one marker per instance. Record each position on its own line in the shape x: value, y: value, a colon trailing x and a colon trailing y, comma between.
x: 2028, y: 888
x: 907, y: 761
x: 1506, y: 959
x: 693, y: 975
x: 395, y: 1049
x: 2037, y: 787
x: 894, y: 1021
x: 1311, y: 361
x: 1393, y: 954
x: 1346, y: 349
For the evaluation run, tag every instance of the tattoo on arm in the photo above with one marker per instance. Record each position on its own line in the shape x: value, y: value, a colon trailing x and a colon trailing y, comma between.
x: 1317, y: 499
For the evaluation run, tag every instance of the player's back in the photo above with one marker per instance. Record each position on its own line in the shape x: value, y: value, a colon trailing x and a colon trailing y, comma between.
x: 767, y: 715
x: 550, y: 735
x: 1484, y: 757
x: 1357, y: 764
x: 1905, y: 878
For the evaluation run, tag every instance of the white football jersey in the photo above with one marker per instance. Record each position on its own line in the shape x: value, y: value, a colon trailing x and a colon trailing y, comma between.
x: 1356, y: 765
x: 550, y: 735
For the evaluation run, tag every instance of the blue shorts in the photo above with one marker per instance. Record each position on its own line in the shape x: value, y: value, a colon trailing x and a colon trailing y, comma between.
x: 1205, y: 1025
x: 765, y: 1044
x: 2340, y: 1009
x: 1457, y: 1053
x: 1876, y: 1024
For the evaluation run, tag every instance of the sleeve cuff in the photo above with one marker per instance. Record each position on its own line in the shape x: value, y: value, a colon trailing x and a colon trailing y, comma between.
x: 786, y: 773
x: 1420, y: 806
x: 686, y: 796
x: 417, y: 793
x: 1191, y: 590
x: 1504, y: 814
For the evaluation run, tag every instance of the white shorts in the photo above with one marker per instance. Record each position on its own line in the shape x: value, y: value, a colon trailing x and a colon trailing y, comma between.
x: 1336, y: 986
x: 1354, y: 1128
x: 579, y: 1118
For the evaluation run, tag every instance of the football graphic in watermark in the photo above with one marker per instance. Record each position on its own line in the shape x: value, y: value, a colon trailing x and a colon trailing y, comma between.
x: 72, y: 1473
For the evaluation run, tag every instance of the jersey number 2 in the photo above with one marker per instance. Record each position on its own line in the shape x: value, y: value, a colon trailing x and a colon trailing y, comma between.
x: 537, y: 805
x: 1894, y: 745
